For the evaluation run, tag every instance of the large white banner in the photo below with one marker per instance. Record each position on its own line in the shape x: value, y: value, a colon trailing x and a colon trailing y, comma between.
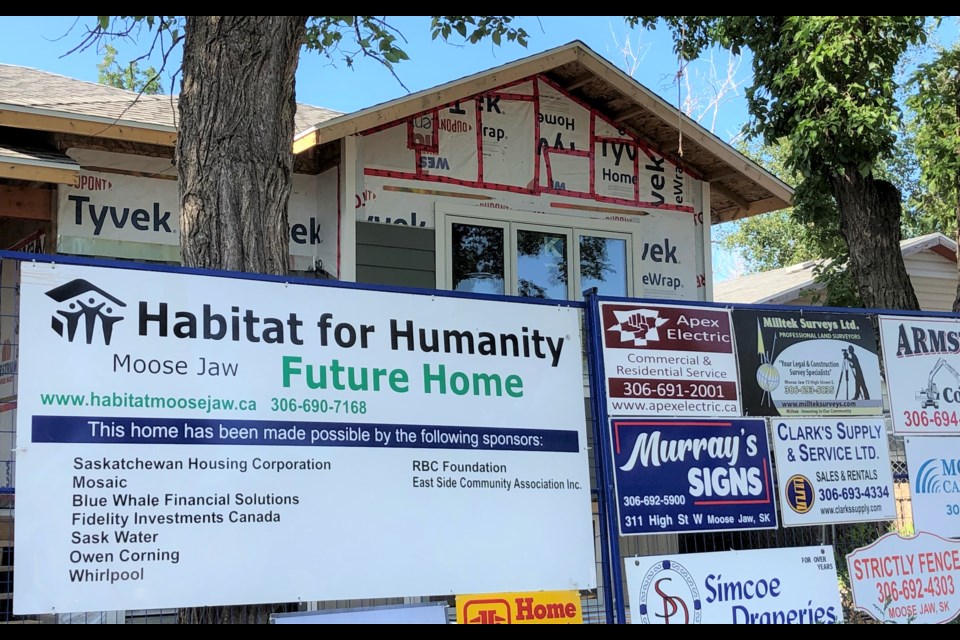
x: 934, y: 466
x: 764, y: 586
x: 921, y: 358
x: 191, y: 440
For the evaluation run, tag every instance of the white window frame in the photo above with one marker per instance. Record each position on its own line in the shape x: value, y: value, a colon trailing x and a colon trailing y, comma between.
x: 511, y: 221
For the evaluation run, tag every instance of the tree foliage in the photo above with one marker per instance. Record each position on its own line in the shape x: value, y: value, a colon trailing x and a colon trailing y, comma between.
x: 824, y: 82
x: 936, y: 104
x: 826, y: 86
x: 791, y: 236
x: 339, y: 38
x: 780, y: 238
x: 130, y: 77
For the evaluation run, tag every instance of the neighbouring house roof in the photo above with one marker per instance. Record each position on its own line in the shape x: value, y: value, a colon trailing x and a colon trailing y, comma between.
x: 780, y: 286
x: 26, y: 92
x: 739, y: 186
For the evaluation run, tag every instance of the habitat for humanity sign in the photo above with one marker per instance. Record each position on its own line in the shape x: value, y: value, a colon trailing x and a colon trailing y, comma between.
x: 178, y: 434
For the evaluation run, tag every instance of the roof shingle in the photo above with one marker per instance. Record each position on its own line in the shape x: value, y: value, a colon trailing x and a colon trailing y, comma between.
x: 35, y: 89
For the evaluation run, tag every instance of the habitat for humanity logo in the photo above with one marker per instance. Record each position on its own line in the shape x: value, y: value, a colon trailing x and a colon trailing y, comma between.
x: 929, y: 479
x: 638, y: 326
x: 87, y: 304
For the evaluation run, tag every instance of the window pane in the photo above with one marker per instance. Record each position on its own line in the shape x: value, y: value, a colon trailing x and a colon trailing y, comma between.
x: 603, y: 264
x: 541, y: 265
x: 477, y: 258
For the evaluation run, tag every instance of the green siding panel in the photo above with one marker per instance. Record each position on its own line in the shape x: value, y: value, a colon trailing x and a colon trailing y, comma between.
x: 395, y: 255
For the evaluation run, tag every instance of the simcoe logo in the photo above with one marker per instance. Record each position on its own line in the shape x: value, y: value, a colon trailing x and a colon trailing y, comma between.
x: 799, y: 493
x: 669, y: 595
x: 82, y: 303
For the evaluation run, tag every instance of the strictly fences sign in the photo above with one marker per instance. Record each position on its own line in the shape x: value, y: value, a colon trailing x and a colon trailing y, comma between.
x: 899, y: 579
x: 179, y: 433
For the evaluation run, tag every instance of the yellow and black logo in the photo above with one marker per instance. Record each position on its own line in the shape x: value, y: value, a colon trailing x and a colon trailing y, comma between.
x: 799, y: 493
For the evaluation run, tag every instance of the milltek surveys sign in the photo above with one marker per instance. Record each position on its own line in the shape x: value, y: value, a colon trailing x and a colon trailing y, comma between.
x: 178, y: 434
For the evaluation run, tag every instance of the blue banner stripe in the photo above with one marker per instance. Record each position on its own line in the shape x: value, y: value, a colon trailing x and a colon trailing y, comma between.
x: 125, y: 430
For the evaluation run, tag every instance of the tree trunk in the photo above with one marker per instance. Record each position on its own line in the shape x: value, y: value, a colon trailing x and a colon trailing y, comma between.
x: 870, y: 213
x: 956, y: 179
x: 236, y: 171
x: 956, y: 300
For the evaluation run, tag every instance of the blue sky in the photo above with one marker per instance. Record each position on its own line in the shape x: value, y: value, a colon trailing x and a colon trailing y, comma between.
x: 44, y: 42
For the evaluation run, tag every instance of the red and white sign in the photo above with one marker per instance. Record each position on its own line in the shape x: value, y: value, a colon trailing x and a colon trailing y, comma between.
x: 669, y: 360
x: 903, y: 580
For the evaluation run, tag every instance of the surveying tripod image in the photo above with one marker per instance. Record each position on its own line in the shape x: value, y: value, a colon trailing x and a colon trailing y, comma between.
x: 852, y: 362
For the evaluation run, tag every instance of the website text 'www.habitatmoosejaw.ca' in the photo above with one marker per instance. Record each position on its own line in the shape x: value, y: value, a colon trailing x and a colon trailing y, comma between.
x: 207, y: 404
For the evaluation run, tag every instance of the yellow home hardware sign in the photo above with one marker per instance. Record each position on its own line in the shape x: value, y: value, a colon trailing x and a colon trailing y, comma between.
x: 535, y: 607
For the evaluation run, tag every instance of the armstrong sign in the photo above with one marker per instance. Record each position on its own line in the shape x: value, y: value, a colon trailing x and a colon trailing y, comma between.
x: 922, y: 362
